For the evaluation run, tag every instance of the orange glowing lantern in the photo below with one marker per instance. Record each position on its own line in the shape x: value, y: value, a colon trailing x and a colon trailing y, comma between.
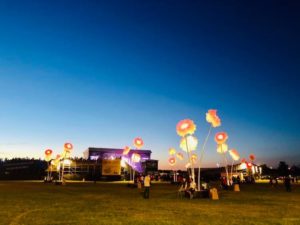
x: 172, y: 151
x: 234, y: 154
x: 221, y: 137
x: 138, y: 143
x: 172, y: 161
x: 185, y: 127
x: 126, y: 150
x: 222, y: 148
x: 68, y: 147
x: 194, y: 158
x: 243, y: 160
x: 135, y: 157
x: 252, y: 157
x: 188, y: 143
x: 179, y: 155
x: 212, y: 118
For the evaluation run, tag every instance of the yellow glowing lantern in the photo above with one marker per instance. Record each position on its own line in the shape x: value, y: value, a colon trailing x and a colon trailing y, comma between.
x: 234, y: 154
x: 65, y: 154
x: 187, y: 165
x: 172, y: 161
x: 188, y: 143
x: 138, y: 142
x: 252, y: 157
x: 221, y: 137
x: 68, y: 147
x: 194, y: 158
x: 212, y: 118
x: 222, y: 148
x: 135, y: 157
x: 126, y: 150
x: 179, y: 155
x: 172, y: 151
x: 185, y: 127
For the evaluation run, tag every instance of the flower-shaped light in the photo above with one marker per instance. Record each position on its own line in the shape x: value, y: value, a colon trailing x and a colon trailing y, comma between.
x: 135, y: 157
x: 138, y: 142
x: 222, y: 148
x: 187, y: 165
x: 194, y: 158
x: 221, y: 137
x: 234, y: 154
x: 243, y: 160
x: 65, y: 154
x: 126, y: 150
x: 185, y: 127
x: 252, y: 157
x: 172, y: 151
x: 172, y: 161
x: 212, y: 118
x: 68, y: 147
x: 188, y: 143
x: 48, y: 152
x: 179, y: 155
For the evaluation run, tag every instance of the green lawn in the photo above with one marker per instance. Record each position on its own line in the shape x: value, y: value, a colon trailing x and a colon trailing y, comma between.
x: 114, y: 203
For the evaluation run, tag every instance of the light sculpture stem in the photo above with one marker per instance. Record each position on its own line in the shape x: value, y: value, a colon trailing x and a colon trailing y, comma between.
x: 201, y: 157
x: 188, y: 154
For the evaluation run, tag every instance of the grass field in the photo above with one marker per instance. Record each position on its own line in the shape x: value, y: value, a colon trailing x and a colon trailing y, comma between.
x: 114, y: 203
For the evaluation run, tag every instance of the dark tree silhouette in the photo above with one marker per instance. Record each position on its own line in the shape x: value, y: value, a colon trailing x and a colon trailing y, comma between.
x: 283, y: 169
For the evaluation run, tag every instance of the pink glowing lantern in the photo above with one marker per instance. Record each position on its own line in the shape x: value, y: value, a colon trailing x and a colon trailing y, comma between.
x: 252, y: 157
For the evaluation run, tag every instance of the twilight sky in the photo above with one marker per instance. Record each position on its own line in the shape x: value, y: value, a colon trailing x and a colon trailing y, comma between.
x: 100, y: 73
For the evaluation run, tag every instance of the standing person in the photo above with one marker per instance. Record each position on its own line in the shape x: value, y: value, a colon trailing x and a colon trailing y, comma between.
x: 287, y: 183
x: 147, y: 182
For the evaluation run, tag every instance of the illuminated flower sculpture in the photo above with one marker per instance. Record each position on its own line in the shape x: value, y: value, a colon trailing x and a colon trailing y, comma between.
x: 188, y: 143
x: 185, y: 127
x: 221, y: 137
x: 222, y: 148
x: 172, y: 161
x: 194, y: 158
x: 212, y: 118
x: 234, y: 154
x: 138, y: 143
x: 235, y: 157
x: 252, y: 157
x: 68, y: 147
x: 48, y: 154
x: 135, y: 157
x: 179, y: 155
x: 126, y: 150
x: 172, y: 151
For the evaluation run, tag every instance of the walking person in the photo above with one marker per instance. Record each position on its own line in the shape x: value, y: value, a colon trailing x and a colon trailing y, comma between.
x: 147, y: 182
x: 287, y: 183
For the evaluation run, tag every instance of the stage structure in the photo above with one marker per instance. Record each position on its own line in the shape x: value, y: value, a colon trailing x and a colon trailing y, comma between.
x: 146, y: 164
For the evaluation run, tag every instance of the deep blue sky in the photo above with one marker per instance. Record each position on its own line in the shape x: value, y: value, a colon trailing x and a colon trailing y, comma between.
x: 101, y: 73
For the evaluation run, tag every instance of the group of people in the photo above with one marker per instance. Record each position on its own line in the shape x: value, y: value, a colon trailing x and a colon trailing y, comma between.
x: 146, y: 183
x: 188, y: 186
